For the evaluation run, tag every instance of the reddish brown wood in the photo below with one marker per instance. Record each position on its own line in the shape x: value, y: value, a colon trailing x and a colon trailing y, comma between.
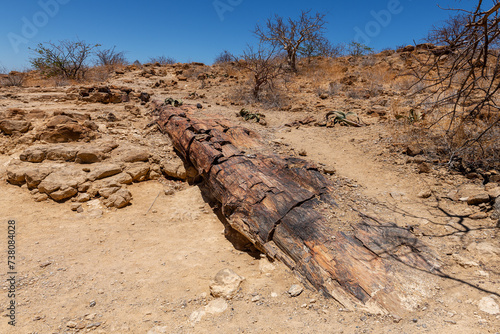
x: 273, y: 202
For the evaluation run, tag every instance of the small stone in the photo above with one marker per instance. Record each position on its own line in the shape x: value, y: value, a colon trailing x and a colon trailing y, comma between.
x: 323, y: 96
x: 424, y: 167
x: 397, y: 195
x: 464, y: 262
x: 425, y: 194
x: 225, y: 284
x: 80, y: 209
x: 255, y: 298
x: 84, y: 187
x: 218, y: 305
x: 265, y: 266
x: 329, y: 170
x: 295, y: 290
x: 93, y: 325
x: 199, y: 106
x: 45, y: 264
x: 169, y: 192
x: 92, y: 303
x: 163, y: 329
x: 75, y: 206
x: 479, y: 198
x: 489, y: 305
x: 479, y: 215
x: 493, y: 192
x: 83, y: 197
x: 413, y: 150
x: 71, y: 324
x: 40, y: 197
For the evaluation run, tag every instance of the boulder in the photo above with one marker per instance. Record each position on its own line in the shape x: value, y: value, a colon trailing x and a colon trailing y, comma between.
x: 138, y: 171
x: 63, y: 194
x: 106, y: 192
x: 59, y: 120
x: 122, y: 178
x: 34, y: 154
x: 63, y: 179
x: 35, y: 176
x: 131, y: 154
x: 16, y: 173
x: 104, y: 170
x: 119, y: 199
x: 83, y: 197
x: 61, y: 153
x: 88, y: 156
x: 63, y: 133
x: 10, y: 127
x: 175, y: 169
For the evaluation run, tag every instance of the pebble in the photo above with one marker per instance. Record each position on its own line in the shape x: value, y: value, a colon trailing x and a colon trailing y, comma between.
x: 425, y: 194
x: 71, y: 324
x: 295, y: 290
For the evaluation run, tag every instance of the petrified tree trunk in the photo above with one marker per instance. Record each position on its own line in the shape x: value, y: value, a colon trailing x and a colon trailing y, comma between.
x: 278, y: 204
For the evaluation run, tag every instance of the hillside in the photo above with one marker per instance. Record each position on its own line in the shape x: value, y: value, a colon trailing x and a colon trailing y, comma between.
x: 113, y: 234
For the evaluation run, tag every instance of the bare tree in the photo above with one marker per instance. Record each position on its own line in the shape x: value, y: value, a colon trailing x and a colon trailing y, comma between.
x: 68, y: 58
x: 463, y: 86
x: 290, y: 34
x: 224, y: 57
x: 110, y: 57
x: 265, y: 66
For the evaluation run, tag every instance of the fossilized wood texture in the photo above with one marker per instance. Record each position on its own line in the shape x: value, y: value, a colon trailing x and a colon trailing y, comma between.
x: 273, y: 202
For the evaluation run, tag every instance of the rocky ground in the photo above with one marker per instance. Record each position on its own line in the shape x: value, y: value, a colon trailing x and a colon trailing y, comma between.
x: 114, y: 236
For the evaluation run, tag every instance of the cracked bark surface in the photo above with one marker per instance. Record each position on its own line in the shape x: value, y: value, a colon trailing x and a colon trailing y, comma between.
x: 273, y: 201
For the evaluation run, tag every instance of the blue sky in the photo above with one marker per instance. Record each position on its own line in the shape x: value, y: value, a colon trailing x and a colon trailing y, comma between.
x: 200, y: 29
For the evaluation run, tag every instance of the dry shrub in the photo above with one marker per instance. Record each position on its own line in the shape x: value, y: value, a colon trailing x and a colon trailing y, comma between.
x: 467, y: 145
x: 100, y: 73
x: 13, y: 79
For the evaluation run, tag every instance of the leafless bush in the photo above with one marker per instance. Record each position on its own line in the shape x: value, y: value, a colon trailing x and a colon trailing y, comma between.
x: 463, y: 89
x: 162, y: 60
x: 68, y: 58
x: 60, y: 81
x: 13, y: 79
x: 265, y: 66
x: 224, y: 57
x: 110, y: 57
